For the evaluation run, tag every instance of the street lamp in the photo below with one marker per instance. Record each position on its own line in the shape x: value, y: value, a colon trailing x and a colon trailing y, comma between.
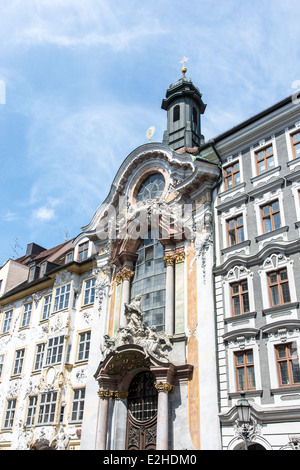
x: 244, y: 413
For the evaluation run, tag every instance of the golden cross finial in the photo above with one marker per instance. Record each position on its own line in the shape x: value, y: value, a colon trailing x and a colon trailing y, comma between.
x: 183, y: 62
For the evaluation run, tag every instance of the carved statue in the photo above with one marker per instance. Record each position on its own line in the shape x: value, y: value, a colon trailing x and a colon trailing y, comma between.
x: 136, y: 332
x: 134, y: 314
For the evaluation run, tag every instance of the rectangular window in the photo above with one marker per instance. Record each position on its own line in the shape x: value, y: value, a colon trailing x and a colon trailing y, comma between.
x: 39, y: 356
x: 26, y: 315
x: 10, y: 414
x: 264, y: 160
x: 78, y: 404
x: 296, y: 144
x: 7, y: 321
x: 244, y: 367
x: 62, y: 297
x: 240, y: 297
x: 31, y: 274
x: 287, y: 364
x: 232, y: 175
x: 18, y: 365
x: 43, y: 269
x: 89, y: 291
x: 279, y: 287
x: 235, y: 230
x: 47, y: 408
x: 83, y: 251
x: 69, y: 257
x: 84, y: 346
x: 270, y: 215
x: 31, y: 411
x: 55, y: 350
x: 1, y: 364
x: 46, y: 307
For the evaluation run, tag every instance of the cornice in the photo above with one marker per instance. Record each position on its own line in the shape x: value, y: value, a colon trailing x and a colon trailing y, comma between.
x: 283, y: 247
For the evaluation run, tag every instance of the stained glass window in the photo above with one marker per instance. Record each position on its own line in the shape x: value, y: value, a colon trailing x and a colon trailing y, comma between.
x: 151, y: 188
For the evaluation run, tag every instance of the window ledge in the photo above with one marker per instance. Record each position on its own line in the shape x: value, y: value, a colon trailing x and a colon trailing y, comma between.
x: 227, y: 192
x: 248, y: 393
x: 81, y: 363
x: 285, y: 390
x: 84, y: 307
x: 232, y: 248
x: 241, y: 317
x: 267, y: 173
x: 278, y: 308
x: 267, y: 235
x: 294, y: 160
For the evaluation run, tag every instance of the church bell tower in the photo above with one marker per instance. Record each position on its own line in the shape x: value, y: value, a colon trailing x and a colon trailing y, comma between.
x: 184, y: 106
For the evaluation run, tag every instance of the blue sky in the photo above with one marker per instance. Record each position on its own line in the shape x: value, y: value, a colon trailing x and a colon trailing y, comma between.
x: 84, y: 80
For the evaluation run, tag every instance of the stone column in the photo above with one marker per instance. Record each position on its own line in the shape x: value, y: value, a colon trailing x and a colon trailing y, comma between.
x: 125, y: 274
x: 162, y: 435
x: 169, y: 320
x: 101, y: 437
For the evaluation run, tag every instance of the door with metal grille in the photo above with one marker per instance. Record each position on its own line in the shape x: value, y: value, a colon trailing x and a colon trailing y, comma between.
x: 142, y: 413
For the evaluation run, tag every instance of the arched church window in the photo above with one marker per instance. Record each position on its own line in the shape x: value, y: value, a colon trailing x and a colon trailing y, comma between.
x: 176, y: 113
x: 195, y: 117
x: 152, y: 187
x: 150, y: 281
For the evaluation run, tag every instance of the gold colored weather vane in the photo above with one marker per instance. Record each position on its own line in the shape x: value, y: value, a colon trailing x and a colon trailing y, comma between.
x: 183, y: 69
x: 150, y: 132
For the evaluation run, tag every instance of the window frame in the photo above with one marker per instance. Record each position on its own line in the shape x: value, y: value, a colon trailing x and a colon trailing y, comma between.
x: 83, y: 251
x: 79, y: 402
x: 26, y: 315
x: 9, y: 414
x: 232, y: 174
x: 47, y: 407
x: 245, y: 365
x: 236, y: 229
x: 83, y: 346
x: 54, y: 352
x: 270, y: 215
x: 288, y: 359
x: 41, y: 355
x: 31, y: 410
x: 46, y: 309
x: 293, y: 144
x: 2, y: 364
x: 90, y: 290
x: 278, y: 283
x: 239, y: 295
x: 264, y: 159
x: 18, y: 363
x: 61, y: 296
x: 5, y: 321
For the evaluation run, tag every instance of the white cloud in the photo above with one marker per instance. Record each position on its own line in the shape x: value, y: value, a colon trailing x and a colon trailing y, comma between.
x: 44, y: 214
x: 10, y: 216
x: 73, y: 23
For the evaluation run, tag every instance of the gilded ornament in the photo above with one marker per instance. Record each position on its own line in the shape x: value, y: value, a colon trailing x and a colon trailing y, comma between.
x: 164, y: 387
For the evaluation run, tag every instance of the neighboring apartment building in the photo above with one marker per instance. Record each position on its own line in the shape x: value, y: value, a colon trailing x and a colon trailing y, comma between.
x: 181, y: 293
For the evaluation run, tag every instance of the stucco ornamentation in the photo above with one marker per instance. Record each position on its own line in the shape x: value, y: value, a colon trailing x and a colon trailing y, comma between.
x: 153, y: 342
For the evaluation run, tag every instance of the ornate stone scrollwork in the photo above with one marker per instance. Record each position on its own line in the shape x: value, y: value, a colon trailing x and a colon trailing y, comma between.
x: 153, y: 342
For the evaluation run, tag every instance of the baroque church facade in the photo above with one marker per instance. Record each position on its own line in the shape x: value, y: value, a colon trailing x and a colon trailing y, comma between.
x: 179, y: 300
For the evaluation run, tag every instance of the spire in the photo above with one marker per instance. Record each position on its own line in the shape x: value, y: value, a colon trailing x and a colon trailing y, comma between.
x: 184, y: 106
